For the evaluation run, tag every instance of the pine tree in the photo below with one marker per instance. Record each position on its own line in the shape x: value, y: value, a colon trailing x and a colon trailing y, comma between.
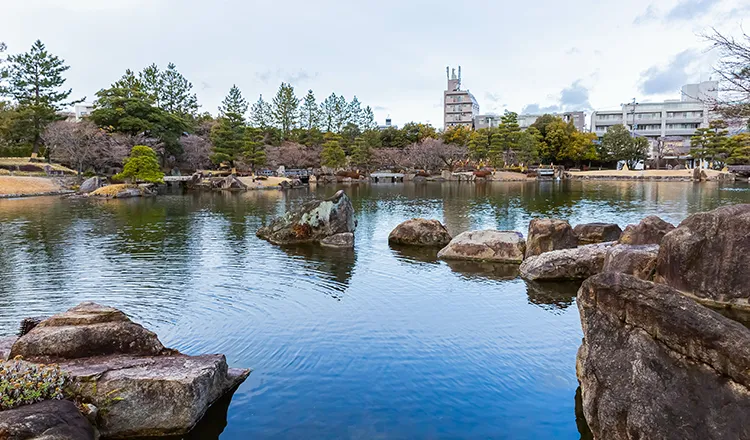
x: 234, y: 103
x: 309, y: 112
x: 284, y: 110
x: 367, y: 121
x: 141, y: 166
x: 354, y: 113
x: 33, y: 82
x: 333, y: 155
x: 151, y: 82
x: 328, y: 113
x: 175, y: 95
x: 261, y: 114
x: 253, y: 151
x: 342, y: 116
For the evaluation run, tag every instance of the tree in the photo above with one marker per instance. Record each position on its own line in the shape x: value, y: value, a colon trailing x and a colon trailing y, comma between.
x: 253, y: 151
x: 581, y: 148
x: 234, y: 103
x: 309, y: 112
x: 542, y: 122
x: 75, y: 144
x: 228, y: 138
x: 557, y: 140
x: 196, y: 151
x: 141, y: 166
x: 528, y: 146
x: 620, y: 145
x: 417, y: 132
x: 710, y: 143
x: 333, y: 155
x: 362, y: 153
x: 739, y: 149
x: 34, y: 80
x: 175, y: 95
x: 508, y: 131
x: 367, y: 120
x: 284, y: 111
x: 734, y: 74
x: 457, y: 135
x: 392, y: 137
x: 150, y: 81
x: 261, y: 114
x: 478, y: 145
x: 354, y: 113
x: 349, y: 135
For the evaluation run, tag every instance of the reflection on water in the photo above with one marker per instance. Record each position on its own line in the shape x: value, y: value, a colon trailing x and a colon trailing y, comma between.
x: 378, y: 342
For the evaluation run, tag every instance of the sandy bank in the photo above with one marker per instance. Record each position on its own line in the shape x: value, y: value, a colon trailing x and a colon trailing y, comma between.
x: 685, y: 175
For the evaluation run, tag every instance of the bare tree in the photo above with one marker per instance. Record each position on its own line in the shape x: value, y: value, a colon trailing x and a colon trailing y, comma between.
x: 734, y: 73
x: 293, y: 155
x: 75, y: 144
x: 197, y: 151
x: 434, y: 154
x: 389, y: 158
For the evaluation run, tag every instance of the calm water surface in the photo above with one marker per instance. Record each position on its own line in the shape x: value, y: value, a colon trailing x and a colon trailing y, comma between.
x: 371, y: 343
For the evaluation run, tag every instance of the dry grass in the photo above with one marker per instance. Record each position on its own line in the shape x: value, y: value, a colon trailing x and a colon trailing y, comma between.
x: 27, y: 185
x: 688, y: 174
x: 270, y: 182
x: 111, y: 190
x: 17, y: 161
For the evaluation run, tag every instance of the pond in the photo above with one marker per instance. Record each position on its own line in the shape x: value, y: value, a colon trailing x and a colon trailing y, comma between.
x: 370, y: 343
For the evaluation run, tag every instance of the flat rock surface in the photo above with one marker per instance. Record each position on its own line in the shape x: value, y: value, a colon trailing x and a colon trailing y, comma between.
x: 636, y: 260
x: 420, y: 232
x: 47, y: 420
x: 566, y: 264
x: 649, y: 231
x: 549, y: 234
x: 486, y: 245
x: 590, y: 233
x: 655, y: 364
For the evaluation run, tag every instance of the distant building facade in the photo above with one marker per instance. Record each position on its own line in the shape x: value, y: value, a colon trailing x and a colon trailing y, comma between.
x: 579, y: 119
x: 459, y: 106
x: 672, y: 121
x: 486, y: 121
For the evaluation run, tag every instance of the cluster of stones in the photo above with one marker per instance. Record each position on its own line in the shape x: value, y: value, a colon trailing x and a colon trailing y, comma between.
x: 130, y: 383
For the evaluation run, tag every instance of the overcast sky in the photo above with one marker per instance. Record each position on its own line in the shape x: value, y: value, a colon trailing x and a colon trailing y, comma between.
x: 544, y: 55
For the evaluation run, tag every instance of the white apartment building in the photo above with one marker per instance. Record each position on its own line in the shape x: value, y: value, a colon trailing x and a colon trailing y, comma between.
x: 578, y: 118
x: 459, y: 106
x: 673, y: 120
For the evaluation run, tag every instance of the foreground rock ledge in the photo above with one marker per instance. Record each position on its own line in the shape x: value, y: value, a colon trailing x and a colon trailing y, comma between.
x: 655, y: 364
x: 141, y: 388
x: 48, y: 420
x: 708, y: 257
x: 312, y: 222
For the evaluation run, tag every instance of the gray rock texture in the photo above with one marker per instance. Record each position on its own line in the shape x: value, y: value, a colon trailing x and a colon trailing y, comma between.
x: 649, y: 231
x: 342, y: 240
x: 47, y: 420
x: 420, y: 232
x: 486, y: 245
x: 549, y: 234
x: 566, y: 264
x: 636, y: 260
x: 591, y: 233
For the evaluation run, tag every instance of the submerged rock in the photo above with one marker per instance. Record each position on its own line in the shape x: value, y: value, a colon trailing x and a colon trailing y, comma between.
x: 657, y: 365
x: 342, y: 240
x: 708, y: 256
x: 636, y: 260
x: 420, y: 232
x: 486, y: 245
x: 141, y: 388
x: 649, y: 231
x: 47, y: 420
x: 549, y: 234
x: 591, y: 233
x: 312, y: 222
x: 566, y: 264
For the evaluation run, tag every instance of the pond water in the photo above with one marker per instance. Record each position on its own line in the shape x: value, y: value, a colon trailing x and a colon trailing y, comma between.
x: 370, y: 343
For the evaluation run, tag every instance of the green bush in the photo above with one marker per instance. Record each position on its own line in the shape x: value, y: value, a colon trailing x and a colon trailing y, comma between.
x: 23, y: 383
x: 141, y: 166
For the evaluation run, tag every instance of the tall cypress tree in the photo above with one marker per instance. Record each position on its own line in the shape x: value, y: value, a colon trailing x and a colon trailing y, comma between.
x: 34, y: 80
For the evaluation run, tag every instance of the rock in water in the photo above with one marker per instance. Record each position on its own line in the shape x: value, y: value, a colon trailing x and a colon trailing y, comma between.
x: 141, y: 388
x: 639, y: 261
x: 312, y: 222
x: 343, y: 240
x: 649, y: 231
x: 708, y: 256
x: 90, y: 185
x: 84, y: 331
x: 549, y: 234
x: 486, y: 245
x: 420, y: 232
x: 47, y: 420
x: 657, y: 365
x: 566, y: 264
x: 591, y: 233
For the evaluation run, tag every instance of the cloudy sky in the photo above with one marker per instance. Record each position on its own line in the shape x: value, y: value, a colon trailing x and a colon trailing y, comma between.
x: 544, y: 55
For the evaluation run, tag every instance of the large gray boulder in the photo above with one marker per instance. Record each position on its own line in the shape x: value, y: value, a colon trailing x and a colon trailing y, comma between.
x: 86, y: 330
x: 312, y: 222
x: 549, y: 234
x: 420, y: 232
x: 656, y: 365
x: 145, y: 396
x: 89, y: 185
x: 566, y: 264
x: 590, y: 233
x: 636, y: 260
x: 708, y: 257
x: 140, y: 388
x: 47, y: 420
x: 649, y: 231
x: 486, y: 245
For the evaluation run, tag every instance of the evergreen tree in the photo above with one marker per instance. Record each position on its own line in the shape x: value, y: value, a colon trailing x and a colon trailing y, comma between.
x: 328, y: 113
x: 285, y: 109
x: 333, y: 155
x: 739, y: 149
x: 362, y: 153
x: 253, y: 151
x: 151, y: 83
x: 508, y: 131
x: 343, y: 116
x: 620, y: 145
x: 476, y: 146
x: 354, y: 113
x: 710, y: 143
x: 141, y: 166
x: 34, y: 80
x: 367, y: 121
x: 528, y: 146
x: 309, y: 112
x: 234, y: 103
x: 261, y: 114
x: 175, y: 95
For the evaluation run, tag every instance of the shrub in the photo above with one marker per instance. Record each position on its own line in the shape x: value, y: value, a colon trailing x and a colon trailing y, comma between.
x: 23, y: 383
x: 141, y: 166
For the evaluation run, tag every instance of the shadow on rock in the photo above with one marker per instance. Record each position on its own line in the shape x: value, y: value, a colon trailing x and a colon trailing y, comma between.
x: 415, y: 254
x: 552, y: 295
x: 583, y: 427
x: 490, y: 271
